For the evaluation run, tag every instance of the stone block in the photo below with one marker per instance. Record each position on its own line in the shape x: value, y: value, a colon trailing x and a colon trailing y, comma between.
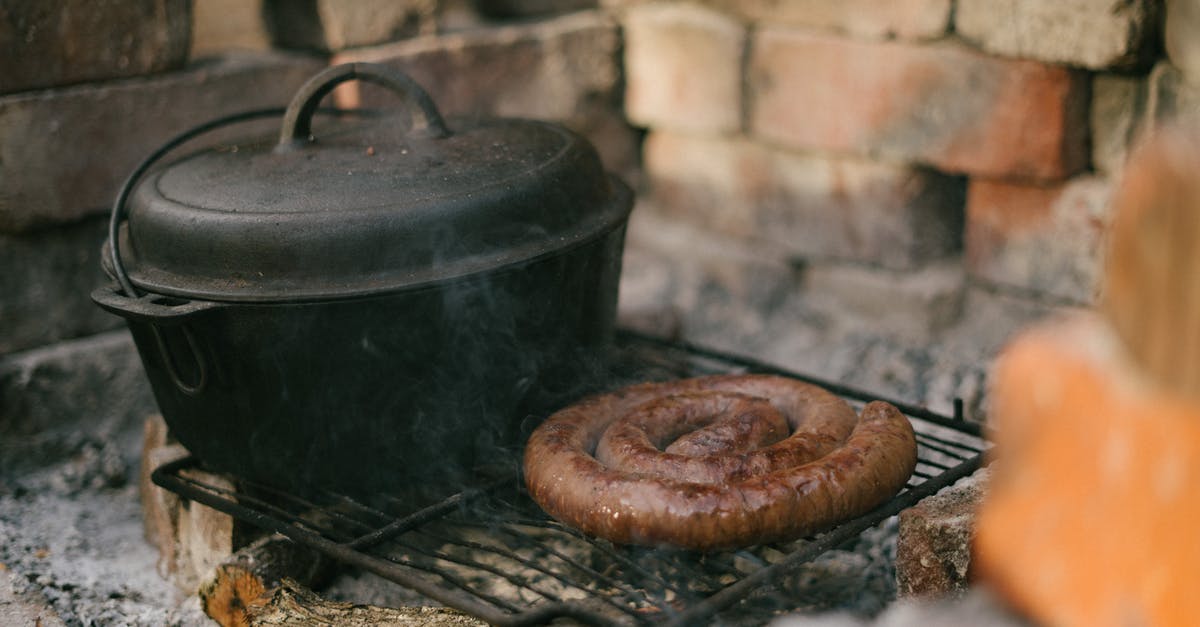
x: 933, y: 548
x: 1095, y: 34
x: 564, y: 69
x: 941, y: 104
x: 65, y: 152
x: 1048, y: 240
x: 332, y: 25
x: 48, y: 279
x: 1118, y: 109
x: 684, y: 68
x: 98, y: 379
x: 47, y: 43
x: 813, y: 207
x: 1179, y: 36
x: 222, y: 25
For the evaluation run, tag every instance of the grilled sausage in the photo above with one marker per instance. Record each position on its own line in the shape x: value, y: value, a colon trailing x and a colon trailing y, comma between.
x: 833, y: 466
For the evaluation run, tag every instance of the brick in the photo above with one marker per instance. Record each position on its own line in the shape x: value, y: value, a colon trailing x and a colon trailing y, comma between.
x: 941, y: 104
x: 46, y: 43
x: 897, y: 19
x: 933, y: 552
x: 811, y: 207
x: 97, y: 381
x: 222, y: 25
x: 1170, y: 98
x: 916, y: 304
x: 683, y: 66
x: 564, y: 69
x: 65, y: 152
x: 1179, y: 36
x: 1095, y: 34
x: 1117, y: 111
x: 1048, y: 240
x: 46, y: 288
x: 697, y: 283
x: 332, y: 25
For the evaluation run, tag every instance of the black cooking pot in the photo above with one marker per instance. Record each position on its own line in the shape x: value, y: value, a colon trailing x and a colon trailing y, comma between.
x: 377, y: 306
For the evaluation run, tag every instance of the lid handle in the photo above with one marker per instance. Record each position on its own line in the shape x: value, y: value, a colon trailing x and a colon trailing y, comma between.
x: 297, y: 120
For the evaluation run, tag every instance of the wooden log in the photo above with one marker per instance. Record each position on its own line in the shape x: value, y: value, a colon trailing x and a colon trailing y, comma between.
x: 291, y: 605
x: 249, y: 577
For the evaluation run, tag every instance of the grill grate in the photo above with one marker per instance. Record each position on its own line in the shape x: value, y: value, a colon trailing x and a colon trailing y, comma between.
x: 491, y: 552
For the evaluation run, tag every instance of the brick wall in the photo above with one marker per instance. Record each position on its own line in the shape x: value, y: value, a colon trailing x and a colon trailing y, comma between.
x: 946, y: 155
x: 906, y: 165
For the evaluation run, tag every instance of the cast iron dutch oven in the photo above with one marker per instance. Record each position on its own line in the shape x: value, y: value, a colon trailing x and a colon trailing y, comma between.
x: 372, y: 302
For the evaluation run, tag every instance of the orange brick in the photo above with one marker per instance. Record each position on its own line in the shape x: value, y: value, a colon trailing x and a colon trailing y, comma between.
x: 1044, y: 239
x: 941, y: 104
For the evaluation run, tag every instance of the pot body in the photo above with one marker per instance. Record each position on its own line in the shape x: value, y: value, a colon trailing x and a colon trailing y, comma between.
x: 377, y: 394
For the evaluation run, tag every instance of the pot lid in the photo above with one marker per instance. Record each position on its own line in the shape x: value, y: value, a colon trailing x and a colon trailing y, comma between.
x: 366, y: 204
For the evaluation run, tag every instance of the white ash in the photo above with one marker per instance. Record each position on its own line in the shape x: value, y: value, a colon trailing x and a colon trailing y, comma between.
x: 79, y: 546
x: 977, y: 607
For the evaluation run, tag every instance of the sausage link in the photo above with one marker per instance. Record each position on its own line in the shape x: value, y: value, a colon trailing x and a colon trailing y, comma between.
x: 833, y: 466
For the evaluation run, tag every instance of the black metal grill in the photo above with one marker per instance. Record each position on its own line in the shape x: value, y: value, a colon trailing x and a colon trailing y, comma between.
x: 491, y: 552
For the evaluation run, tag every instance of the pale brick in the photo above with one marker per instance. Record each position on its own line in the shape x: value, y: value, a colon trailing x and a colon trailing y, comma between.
x: 941, y: 104
x: 49, y: 276
x: 1095, y: 34
x: 65, y: 152
x: 1118, y: 108
x: 222, y: 25
x: 46, y: 43
x: 1180, y: 36
x: 915, y: 304
x: 885, y: 19
x: 933, y: 547
x: 812, y: 207
x: 565, y: 69
x: 1047, y: 240
x: 1170, y: 98
x: 683, y: 66
x: 695, y: 283
x: 332, y: 25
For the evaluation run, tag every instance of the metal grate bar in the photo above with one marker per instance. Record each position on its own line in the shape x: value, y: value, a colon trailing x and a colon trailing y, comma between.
x: 753, y: 365
x: 533, y: 568
x: 829, y: 540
